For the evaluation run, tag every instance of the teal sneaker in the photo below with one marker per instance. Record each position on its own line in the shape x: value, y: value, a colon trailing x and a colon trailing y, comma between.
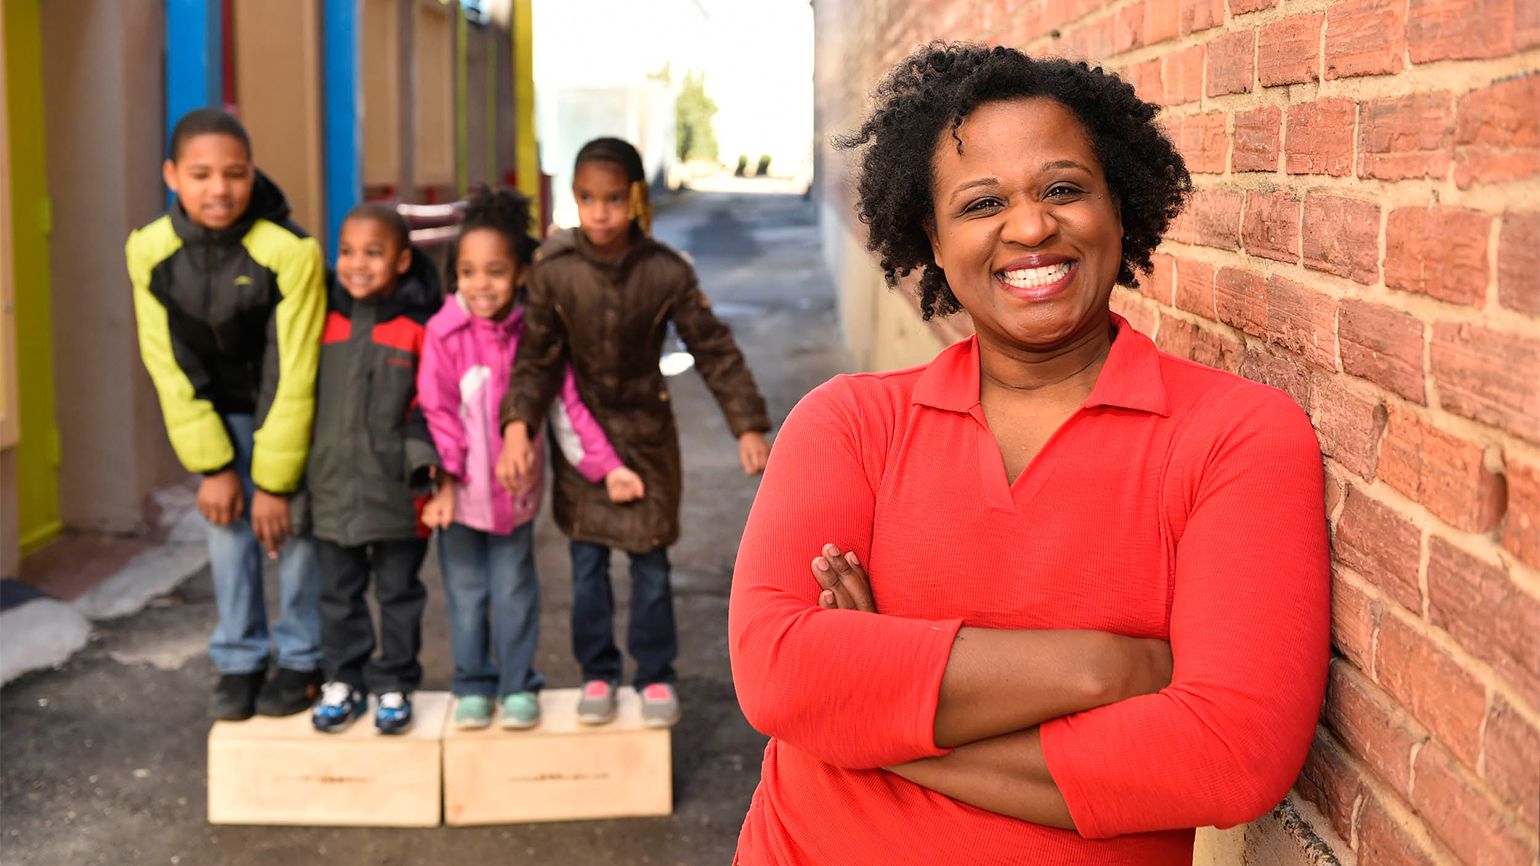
x: 473, y: 711
x: 520, y: 710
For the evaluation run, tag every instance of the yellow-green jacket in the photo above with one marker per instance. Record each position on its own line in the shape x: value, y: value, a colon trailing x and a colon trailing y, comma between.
x: 230, y: 323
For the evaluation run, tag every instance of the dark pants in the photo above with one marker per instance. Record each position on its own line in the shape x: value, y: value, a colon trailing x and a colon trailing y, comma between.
x: 650, y: 637
x: 347, y: 634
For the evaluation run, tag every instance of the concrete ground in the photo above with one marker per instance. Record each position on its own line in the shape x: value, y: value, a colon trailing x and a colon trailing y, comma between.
x: 102, y: 760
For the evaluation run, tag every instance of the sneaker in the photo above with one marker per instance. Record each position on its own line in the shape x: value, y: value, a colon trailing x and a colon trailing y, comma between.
x: 660, y: 706
x: 340, y: 704
x: 597, y: 705
x: 473, y: 711
x: 289, y: 692
x: 520, y: 710
x: 393, y: 714
x: 235, y: 696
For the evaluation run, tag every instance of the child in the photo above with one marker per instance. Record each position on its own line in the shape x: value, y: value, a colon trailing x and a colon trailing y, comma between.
x: 486, y: 542
x: 370, y: 453
x: 603, y: 296
x: 229, y: 298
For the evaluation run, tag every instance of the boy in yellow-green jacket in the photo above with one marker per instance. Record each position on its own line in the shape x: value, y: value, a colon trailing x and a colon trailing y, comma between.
x: 230, y: 298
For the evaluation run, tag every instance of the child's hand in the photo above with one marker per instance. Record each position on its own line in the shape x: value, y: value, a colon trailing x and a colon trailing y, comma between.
x: 439, y: 511
x: 624, y: 485
x: 516, y: 465
x: 844, y: 581
x: 270, y: 521
x: 753, y: 452
x: 220, y: 498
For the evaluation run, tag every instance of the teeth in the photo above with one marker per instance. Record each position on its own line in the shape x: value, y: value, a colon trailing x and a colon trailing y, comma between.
x: 1029, y: 278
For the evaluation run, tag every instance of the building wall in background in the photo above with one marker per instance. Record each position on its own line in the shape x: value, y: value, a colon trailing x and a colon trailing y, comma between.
x: 1364, y: 236
x: 278, y: 92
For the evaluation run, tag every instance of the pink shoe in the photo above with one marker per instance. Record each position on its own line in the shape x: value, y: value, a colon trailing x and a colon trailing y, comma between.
x: 660, y: 706
x: 597, y: 705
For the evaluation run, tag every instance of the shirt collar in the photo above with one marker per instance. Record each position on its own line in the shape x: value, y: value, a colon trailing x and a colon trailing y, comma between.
x: 1130, y: 378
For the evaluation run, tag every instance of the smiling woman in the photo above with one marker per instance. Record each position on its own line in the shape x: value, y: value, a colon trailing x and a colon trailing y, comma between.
x: 1054, y: 597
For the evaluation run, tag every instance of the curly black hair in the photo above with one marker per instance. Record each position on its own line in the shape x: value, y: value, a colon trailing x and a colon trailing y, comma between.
x: 938, y: 86
x: 505, y: 211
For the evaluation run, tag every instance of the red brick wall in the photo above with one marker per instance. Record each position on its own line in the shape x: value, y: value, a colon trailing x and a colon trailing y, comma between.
x: 1365, y: 236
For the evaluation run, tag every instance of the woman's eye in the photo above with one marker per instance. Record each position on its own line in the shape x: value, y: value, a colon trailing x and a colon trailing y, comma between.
x: 982, y: 204
x: 1060, y: 190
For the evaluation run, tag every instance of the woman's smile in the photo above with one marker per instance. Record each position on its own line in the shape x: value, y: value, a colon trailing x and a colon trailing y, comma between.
x: 1037, y: 278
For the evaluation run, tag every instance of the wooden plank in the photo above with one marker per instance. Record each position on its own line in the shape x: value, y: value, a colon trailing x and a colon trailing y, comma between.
x: 282, y: 771
x: 561, y: 770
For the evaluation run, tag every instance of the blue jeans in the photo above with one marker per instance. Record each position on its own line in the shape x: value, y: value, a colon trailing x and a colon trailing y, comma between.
x: 650, y: 637
x: 493, y: 593
x: 242, y: 641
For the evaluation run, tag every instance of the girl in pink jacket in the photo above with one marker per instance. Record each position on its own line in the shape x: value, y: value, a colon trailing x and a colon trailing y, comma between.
x: 486, y: 540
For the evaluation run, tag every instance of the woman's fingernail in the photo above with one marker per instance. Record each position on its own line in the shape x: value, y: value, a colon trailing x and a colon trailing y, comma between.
x: 830, y: 550
x: 820, y: 563
x: 826, y: 598
x: 851, y: 558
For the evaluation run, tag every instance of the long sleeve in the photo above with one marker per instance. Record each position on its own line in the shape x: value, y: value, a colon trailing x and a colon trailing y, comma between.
x: 438, y: 396
x: 286, y: 409
x: 195, y: 429
x: 719, y: 360
x: 578, y: 434
x: 1249, y: 634
x: 540, y: 361
x: 856, y: 690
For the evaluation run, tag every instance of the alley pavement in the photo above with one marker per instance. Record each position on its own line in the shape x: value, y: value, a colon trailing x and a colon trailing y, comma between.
x: 102, y: 761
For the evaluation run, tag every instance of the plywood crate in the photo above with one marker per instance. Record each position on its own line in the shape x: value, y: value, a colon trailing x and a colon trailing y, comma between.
x: 282, y: 771
x: 561, y: 770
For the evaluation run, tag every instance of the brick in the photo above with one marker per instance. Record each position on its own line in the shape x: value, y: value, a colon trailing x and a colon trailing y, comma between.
x: 1526, y: 25
x: 1364, y: 37
x: 1407, y: 137
x: 1162, y: 20
x: 1331, y: 783
x: 1216, y: 350
x: 1385, y: 840
x: 1184, y: 229
x: 1440, y: 252
x: 1355, y: 617
x: 1320, y: 138
x: 1256, y: 141
x: 1199, y: 15
x: 1349, y: 426
x: 1384, y: 346
x: 1459, y: 29
x: 1195, y: 287
x: 1440, y: 693
x: 1342, y: 237
x: 1336, y: 485
x: 1143, y: 319
x: 1145, y: 78
x: 1497, y: 132
x: 1240, y: 300
x: 1241, y: 7
x: 1512, y: 757
x: 1217, y: 213
x: 1288, y: 51
x: 1457, y: 813
x: 1284, y: 373
x: 1521, y: 531
x: 1203, y: 142
x: 1231, y: 63
x: 1303, y: 321
x: 1488, y: 376
x: 1367, y: 724
x: 1271, y: 226
x: 1382, y: 546
x: 1518, y: 262
x: 1486, y: 613
x: 1445, y: 473
x: 1182, y: 74
x: 1128, y: 32
x: 1159, y: 284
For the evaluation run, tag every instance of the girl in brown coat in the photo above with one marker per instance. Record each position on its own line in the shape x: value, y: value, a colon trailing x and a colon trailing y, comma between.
x: 602, y: 297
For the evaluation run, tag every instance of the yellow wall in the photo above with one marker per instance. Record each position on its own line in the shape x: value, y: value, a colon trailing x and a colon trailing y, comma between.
x: 36, y: 456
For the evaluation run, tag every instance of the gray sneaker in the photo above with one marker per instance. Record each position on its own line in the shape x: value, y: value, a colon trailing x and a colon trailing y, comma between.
x: 660, y: 706
x: 597, y: 705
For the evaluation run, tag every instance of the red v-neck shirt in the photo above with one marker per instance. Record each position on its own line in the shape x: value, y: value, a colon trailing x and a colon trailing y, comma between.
x: 1179, y: 502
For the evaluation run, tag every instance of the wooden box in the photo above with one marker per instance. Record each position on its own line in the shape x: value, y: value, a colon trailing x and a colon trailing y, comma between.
x: 560, y: 770
x: 282, y: 771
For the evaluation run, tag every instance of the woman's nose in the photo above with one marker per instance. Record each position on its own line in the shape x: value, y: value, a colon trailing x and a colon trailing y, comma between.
x: 1029, y: 224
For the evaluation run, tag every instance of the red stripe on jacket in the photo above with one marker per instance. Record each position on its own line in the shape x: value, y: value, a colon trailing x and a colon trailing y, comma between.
x: 400, y: 333
x: 338, y: 328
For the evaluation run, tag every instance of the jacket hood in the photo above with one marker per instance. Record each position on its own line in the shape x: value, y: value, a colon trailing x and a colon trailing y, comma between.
x: 267, y: 202
x: 573, y: 241
x: 417, y: 292
x: 454, y: 316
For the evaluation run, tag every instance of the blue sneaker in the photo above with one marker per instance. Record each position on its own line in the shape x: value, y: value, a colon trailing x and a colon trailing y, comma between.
x: 340, y: 704
x: 393, y: 714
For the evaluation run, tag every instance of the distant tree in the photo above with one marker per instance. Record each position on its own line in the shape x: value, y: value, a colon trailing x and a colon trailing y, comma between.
x: 693, y: 111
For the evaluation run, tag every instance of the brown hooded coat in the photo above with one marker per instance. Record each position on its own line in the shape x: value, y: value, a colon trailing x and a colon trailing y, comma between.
x: 609, y: 320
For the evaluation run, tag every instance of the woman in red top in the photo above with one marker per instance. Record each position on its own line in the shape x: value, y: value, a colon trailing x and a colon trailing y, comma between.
x: 1069, y: 595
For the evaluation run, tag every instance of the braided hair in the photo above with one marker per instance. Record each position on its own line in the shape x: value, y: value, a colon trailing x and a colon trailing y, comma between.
x: 620, y: 153
x: 505, y: 211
